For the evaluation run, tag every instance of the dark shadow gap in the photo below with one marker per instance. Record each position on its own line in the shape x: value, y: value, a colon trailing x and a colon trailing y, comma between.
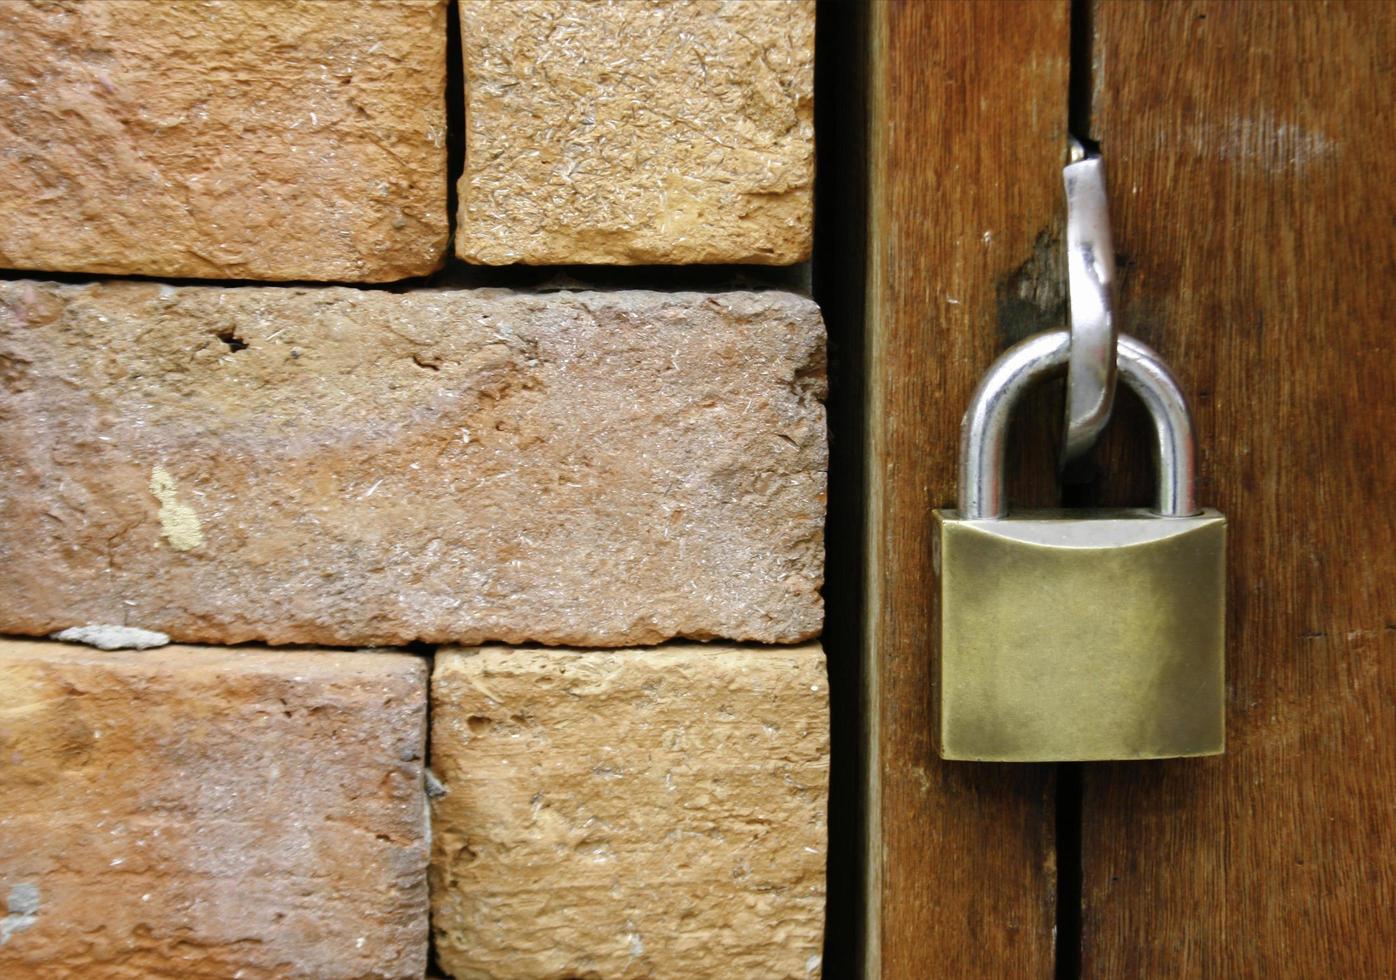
x: 1068, y: 834
x: 432, y: 787
x: 838, y: 285
x: 1081, y: 75
x: 455, y: 120
x: 458, y: 275
x: 1081, y: 489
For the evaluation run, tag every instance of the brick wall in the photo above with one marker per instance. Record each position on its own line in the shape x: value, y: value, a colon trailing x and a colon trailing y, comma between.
x: 437, y: 626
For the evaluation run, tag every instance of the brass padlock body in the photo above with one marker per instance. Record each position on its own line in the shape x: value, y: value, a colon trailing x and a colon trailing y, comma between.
x: 1081, y: 635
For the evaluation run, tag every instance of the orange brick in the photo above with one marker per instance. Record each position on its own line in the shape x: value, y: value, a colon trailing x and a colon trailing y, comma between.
x: 201, y: 812
x: 363, y: 468
x: 237, y: 139
x: 630, y: 813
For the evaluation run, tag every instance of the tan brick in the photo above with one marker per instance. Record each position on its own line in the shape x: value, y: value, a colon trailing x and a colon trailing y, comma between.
x: 191, y: 812
x: 238, y: 139
x: 655, y: 132
x: 361, y: 467
x: 635, y: 813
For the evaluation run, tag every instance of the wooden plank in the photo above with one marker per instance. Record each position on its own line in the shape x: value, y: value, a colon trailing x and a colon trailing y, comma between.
x: 968, y: 135
x: 1253, y: 192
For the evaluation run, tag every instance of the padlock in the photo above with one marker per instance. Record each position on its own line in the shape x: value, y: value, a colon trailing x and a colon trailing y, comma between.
x: 1074, y: 635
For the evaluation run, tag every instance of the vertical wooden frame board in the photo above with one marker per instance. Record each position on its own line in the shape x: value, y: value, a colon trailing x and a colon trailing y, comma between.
x: 968, y: 136
x: 1253, y: 193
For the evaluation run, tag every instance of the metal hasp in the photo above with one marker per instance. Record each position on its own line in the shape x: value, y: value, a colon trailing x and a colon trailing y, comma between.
x: 1090, y: 273
x: 1076, y: 635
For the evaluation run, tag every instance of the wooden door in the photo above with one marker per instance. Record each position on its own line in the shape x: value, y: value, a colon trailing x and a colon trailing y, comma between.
x: 1251, y: 153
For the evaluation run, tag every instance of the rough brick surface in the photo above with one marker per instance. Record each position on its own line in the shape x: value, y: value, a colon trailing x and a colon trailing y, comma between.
x: 237, y: 139
x: 664, y: 132
x: 359, y: 467
x: 211, y: 813
x: 636, y: 813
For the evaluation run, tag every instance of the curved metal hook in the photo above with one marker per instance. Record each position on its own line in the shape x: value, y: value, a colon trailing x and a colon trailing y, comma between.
x: 984, y: 431
x: 1090, y: 265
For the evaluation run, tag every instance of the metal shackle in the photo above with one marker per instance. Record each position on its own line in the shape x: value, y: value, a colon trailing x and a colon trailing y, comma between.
x: 984, y: 431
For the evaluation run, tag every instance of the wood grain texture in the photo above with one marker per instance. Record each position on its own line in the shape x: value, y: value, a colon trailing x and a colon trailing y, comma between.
x: 968, y: 117
x: 1254, y: 196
